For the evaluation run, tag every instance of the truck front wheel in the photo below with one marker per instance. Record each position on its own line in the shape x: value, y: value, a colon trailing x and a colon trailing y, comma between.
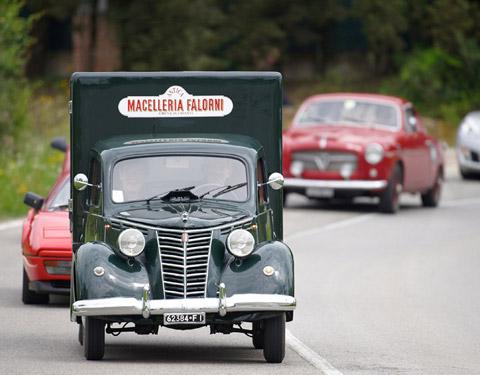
x: 274, y: 339
x: 93, y: 338
x: 258, y: 335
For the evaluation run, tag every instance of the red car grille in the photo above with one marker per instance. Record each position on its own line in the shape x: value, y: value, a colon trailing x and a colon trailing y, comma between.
x: 325, y: 160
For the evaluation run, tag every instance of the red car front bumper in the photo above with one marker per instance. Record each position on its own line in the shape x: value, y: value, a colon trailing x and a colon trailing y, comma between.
x: 49, y: 274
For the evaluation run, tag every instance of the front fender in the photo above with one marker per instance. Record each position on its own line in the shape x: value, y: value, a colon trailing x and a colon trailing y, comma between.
x: 120, y: 279
x: 246, y: 275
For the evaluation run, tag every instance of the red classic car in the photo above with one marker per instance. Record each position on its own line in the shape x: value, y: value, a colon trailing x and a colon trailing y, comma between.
x: 46, y: 239
x: 345, y: 145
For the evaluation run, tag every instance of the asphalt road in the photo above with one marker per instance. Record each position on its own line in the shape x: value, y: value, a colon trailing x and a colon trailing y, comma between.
x: 377, y: 294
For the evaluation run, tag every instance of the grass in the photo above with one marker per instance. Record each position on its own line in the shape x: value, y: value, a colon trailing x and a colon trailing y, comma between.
x: 32, y: 165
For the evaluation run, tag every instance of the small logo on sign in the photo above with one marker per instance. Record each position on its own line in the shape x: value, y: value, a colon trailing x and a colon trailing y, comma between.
x: 175, y: 102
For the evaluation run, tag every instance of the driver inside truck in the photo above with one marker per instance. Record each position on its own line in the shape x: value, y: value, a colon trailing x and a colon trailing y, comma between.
x: 129, y: 181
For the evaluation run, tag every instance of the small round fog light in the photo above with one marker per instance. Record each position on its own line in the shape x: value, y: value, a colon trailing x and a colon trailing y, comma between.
x: 268, y: 270
x: 99, y: 271
x: 373, y: 173
x: 346, y: 171
x: 296, y: 168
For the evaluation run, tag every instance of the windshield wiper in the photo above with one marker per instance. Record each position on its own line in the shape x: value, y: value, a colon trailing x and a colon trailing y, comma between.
x: 214, y: 189
x: 229, y: 188
x: 172, y: 192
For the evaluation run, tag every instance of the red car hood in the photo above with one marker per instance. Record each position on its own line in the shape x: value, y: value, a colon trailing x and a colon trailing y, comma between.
x: 336, y: 134
x: 50, y: 231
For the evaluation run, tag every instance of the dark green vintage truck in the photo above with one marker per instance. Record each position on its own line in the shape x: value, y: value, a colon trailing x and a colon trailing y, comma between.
x: 176, y: 209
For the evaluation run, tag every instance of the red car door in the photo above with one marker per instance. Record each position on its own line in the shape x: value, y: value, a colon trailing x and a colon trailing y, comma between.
x: 416, y: 153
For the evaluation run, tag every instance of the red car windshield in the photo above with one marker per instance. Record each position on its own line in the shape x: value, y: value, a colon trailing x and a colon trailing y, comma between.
x: 348, y: 111
x: 60, y: 200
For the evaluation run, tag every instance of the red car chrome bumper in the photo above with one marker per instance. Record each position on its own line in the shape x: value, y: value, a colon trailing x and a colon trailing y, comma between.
x: 336, y: 184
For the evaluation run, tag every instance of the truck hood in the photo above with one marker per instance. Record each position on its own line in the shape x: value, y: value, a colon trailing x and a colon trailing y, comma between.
x: 340, y: 135
x: 191, y: 215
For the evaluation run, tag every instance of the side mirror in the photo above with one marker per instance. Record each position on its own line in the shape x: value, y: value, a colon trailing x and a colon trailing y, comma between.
x: 276, y: 181
x: 412, y: 121
x: 33, y: 200
x: 80, y: 182
x: 59, y: 143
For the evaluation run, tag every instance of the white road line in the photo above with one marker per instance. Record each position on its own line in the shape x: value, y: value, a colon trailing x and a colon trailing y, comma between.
x: 310, y: 356
x: 10, y: 224
x: 332, y: 226
x: 295, y: 344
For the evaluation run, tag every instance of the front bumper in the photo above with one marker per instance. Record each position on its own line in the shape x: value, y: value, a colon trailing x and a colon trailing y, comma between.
x: 146, y: 307
x: 336, y: 184
x: 468, y: 162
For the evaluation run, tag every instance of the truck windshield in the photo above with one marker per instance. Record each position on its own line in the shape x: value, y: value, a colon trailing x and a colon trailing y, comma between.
x: 349, y: 111
x: 139, y: 179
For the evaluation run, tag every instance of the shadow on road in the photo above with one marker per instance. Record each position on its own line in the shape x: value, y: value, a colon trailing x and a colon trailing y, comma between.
x: 181, y: 353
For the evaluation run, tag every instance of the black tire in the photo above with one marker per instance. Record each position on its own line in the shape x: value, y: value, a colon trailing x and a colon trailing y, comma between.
x: 258, y: 336
x: 389, y: 198
x: 93, y: 338
x: 80, y: 333
x: 467, y: 175
x: 432, y: 197
x: 274, y: 339
x: 29, y: 297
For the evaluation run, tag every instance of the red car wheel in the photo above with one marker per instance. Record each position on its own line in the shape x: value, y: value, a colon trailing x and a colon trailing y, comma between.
x: 389, y: 199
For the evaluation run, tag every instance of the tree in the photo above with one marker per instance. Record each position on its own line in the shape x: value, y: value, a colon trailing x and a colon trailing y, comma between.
x: 384, y: 22
x: 14, y: 90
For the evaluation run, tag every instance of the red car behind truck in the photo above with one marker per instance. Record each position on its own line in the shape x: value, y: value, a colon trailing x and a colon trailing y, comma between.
x: 345, y: 145
x: 46, y: 239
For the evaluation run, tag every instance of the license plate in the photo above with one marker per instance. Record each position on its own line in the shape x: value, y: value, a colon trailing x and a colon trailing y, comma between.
x: 320, y: 192
x: 183, y: 318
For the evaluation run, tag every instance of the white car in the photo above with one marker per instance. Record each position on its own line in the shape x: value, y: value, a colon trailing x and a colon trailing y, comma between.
x: 468, y: 145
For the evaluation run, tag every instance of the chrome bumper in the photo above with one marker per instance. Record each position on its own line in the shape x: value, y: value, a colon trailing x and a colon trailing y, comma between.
x: 147, y: 307
x: 336, y: 184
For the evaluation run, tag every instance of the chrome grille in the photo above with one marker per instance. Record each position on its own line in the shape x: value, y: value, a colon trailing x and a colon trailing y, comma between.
x: 326, y: 160
x: 184, y: 259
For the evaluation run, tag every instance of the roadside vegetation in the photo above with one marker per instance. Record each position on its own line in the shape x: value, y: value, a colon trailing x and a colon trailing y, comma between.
x: 29, y: 117
x: 428, y: 52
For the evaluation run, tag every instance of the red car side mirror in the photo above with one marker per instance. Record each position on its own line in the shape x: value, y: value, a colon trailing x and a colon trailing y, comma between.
x: 33, y: 200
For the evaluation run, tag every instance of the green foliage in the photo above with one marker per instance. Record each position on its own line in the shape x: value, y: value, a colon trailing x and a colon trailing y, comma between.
x: 166, y: 35
x: 450, y: 22
x: 34, y: 165
x: 14, y: 90
x: 383, y: 25
x: 14, y: 38
x: 429, y: 74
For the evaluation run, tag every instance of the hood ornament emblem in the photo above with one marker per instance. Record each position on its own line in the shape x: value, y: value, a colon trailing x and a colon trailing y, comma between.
x: 185, y: 216
x: 323, y: 142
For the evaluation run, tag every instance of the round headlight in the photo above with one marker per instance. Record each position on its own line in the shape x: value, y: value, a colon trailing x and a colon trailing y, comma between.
x: 374, y: 153
x: 131, y: 242
x: 240, y: 243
